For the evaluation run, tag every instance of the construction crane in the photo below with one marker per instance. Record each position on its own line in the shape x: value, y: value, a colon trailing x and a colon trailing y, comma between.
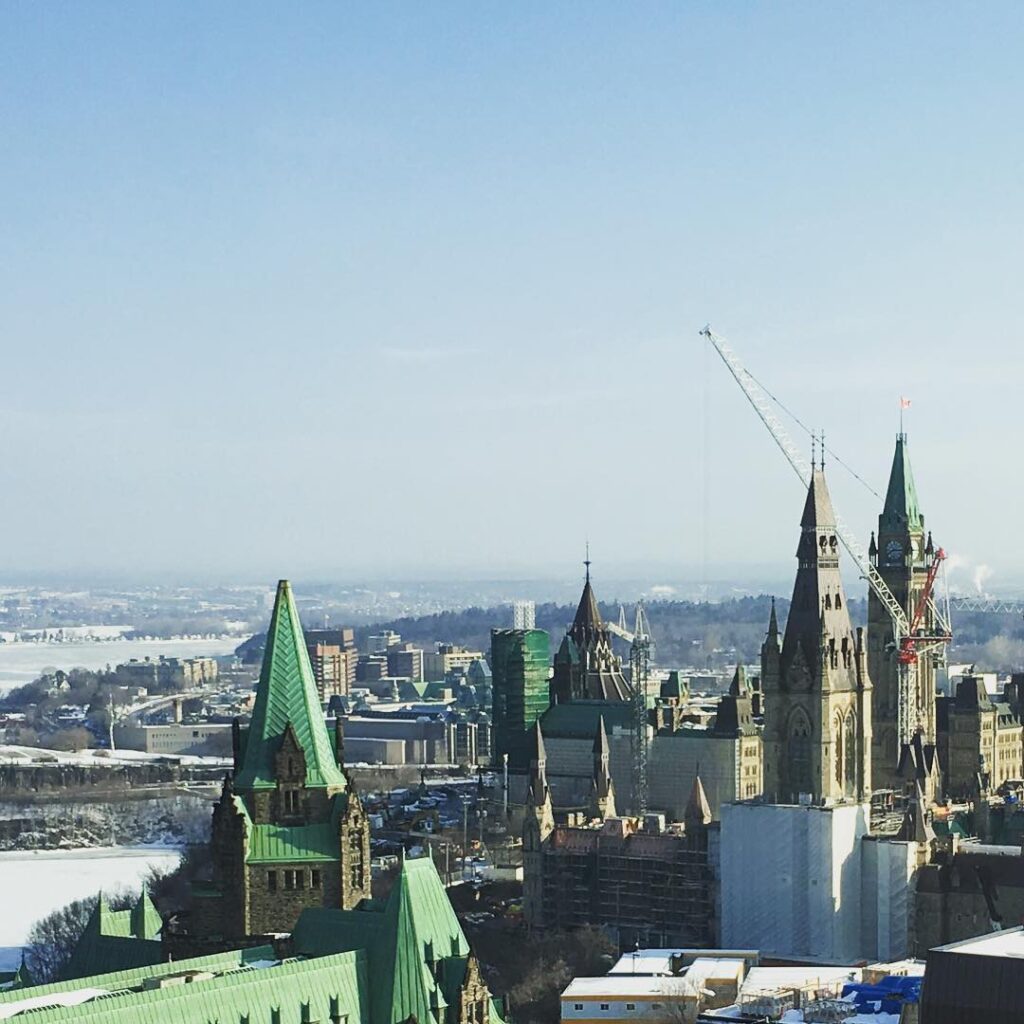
x: 990, y: 605
x: 641, y: 647
x: 910, y: 640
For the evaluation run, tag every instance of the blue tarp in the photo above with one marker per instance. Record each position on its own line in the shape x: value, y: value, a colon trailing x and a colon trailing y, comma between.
x: 888, y: 995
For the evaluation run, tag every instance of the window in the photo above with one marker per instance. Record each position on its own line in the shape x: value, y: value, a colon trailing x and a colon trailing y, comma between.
x: 314, y: 879
x: 291, y: 801
x: 630, y: 1006
x: 577, y: 1006
x: 272, y: 881
x: 289, y: 879
x: 604, y: 1006
x: 300, y: 879
x: 655, y: 1006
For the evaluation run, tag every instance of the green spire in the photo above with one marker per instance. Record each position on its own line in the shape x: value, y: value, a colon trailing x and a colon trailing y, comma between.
x: 145, y: 918
x: 409, y: 987
x: 901, y: 511
x: 287, y: 695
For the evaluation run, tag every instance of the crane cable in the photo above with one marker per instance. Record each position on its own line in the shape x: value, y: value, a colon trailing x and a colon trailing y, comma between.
x: 810, y: 433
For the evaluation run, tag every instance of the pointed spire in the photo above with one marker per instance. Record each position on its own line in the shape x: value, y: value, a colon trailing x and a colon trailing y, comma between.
x: 773, y: 623
x: 588, y: 616
x: 915, y: 827
x: 146, y: 922
x: 873, y: 546
x: 739, y: 686
x: 818, y: 511
x: 601, y: 747
x: 698, y: 810
x: 287, y: 696
x: 901, y: 511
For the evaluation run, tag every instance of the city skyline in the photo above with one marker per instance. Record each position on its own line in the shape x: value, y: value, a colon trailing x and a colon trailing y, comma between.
x: 341, y: 294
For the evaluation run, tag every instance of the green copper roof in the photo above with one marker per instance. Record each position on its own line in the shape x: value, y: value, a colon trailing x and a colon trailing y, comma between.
x: 287, y: 695
x: 269, y: 844
x: 117, y: 939
x: 247, y: 987
x: 901, y: 509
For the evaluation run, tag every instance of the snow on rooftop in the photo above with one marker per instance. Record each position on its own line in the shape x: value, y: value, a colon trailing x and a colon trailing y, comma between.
x: 75, y: 998
x: 768, y: 979
x: 1009, y: 943
x: 620, y: 985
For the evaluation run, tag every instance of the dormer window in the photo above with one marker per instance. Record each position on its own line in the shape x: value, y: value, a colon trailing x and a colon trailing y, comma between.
x: 291, y: 801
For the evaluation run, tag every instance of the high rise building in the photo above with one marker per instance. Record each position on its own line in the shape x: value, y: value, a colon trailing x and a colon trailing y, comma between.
x: 817, y: 692
x: 586, y: 667
x: 524, y: 615
x: 519, y: 690
x: 289, y: 831
x: 902, y: 552
x: 332, y: 656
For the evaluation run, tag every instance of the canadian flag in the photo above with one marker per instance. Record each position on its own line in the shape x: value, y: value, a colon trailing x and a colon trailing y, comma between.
x: 904, y: 402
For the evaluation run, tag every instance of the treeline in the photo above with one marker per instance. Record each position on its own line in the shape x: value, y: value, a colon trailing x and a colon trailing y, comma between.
x: 690, y: 633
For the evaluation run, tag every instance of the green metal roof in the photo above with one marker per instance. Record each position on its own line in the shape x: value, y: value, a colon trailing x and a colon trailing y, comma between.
x: 901, y: 510
x: 405, y: 959
x: 117, y: 939
x: 299, y: 990
x: 408, y: 989
x: 289, y: 843
x: 287, y: 695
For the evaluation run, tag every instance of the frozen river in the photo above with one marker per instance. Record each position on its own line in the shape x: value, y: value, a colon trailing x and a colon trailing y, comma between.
x: 36, y: 882
x: 23, y: 662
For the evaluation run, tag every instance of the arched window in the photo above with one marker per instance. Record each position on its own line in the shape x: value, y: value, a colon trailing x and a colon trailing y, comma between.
x: 797, y: 756
x: 850, y: 754
x: 838, y: 741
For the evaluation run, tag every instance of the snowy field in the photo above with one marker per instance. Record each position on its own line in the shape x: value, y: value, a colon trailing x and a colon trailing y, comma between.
x: 23, y: 662
x: 35, y: 883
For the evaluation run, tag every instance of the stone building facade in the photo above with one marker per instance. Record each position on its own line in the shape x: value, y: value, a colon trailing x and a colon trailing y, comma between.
x: 903, y: 553
x: 817, y: 691
x: 288, y: 832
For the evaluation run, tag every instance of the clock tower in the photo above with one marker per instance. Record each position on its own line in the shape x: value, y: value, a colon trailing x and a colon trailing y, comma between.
x: 902, y: 553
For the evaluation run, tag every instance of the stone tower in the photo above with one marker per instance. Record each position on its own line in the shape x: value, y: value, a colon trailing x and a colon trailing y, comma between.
x: 902, y: 553
x: 289, y: 831
x: 585, y: 666
x: 817, y: 692
x: 538, y: 824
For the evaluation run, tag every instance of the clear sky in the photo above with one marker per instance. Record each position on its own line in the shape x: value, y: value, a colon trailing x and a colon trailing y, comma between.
x: 337, y: 289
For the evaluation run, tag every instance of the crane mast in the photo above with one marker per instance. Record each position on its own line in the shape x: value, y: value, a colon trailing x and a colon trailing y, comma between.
x: 908, y: 640
x: 640, y: 649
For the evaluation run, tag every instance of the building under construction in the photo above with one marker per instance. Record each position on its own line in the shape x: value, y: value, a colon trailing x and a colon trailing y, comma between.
x: 646, y: 882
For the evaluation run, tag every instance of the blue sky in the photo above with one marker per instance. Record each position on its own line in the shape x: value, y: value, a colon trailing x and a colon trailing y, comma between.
x: 343, y: 290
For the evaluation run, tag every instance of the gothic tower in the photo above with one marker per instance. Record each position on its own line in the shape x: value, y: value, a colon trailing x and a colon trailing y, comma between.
x: 817, y: 692
x: 538, y: 824
x: 902, y: 553
x: 585, y: 666
x: 289, y: 831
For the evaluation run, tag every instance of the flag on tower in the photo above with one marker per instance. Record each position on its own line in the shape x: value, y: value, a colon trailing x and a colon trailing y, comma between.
x: 904, y: 402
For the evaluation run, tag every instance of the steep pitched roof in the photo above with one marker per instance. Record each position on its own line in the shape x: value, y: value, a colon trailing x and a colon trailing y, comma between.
x: 698, y: 810
x: 420, y: 929
x: 818, y: 615
x: 587, y: 612
x: 601, y: 747
x: 145, y: 919
x: 287, y: 695
x: 915, y: 827
x: 901, y: 510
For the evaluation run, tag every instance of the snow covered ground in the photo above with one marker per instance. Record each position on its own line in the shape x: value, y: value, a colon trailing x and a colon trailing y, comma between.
x: 22, y: 662
x: 36, y: 883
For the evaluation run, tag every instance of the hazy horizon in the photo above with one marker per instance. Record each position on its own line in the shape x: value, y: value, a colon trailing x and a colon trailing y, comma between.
x: 338, y: 291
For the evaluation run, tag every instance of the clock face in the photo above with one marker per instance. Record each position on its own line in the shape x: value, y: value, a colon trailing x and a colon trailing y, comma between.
x: 893, y: 551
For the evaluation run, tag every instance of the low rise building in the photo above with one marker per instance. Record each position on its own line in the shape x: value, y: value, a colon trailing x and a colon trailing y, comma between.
x: 439, y: 662
x: 209, y: 738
